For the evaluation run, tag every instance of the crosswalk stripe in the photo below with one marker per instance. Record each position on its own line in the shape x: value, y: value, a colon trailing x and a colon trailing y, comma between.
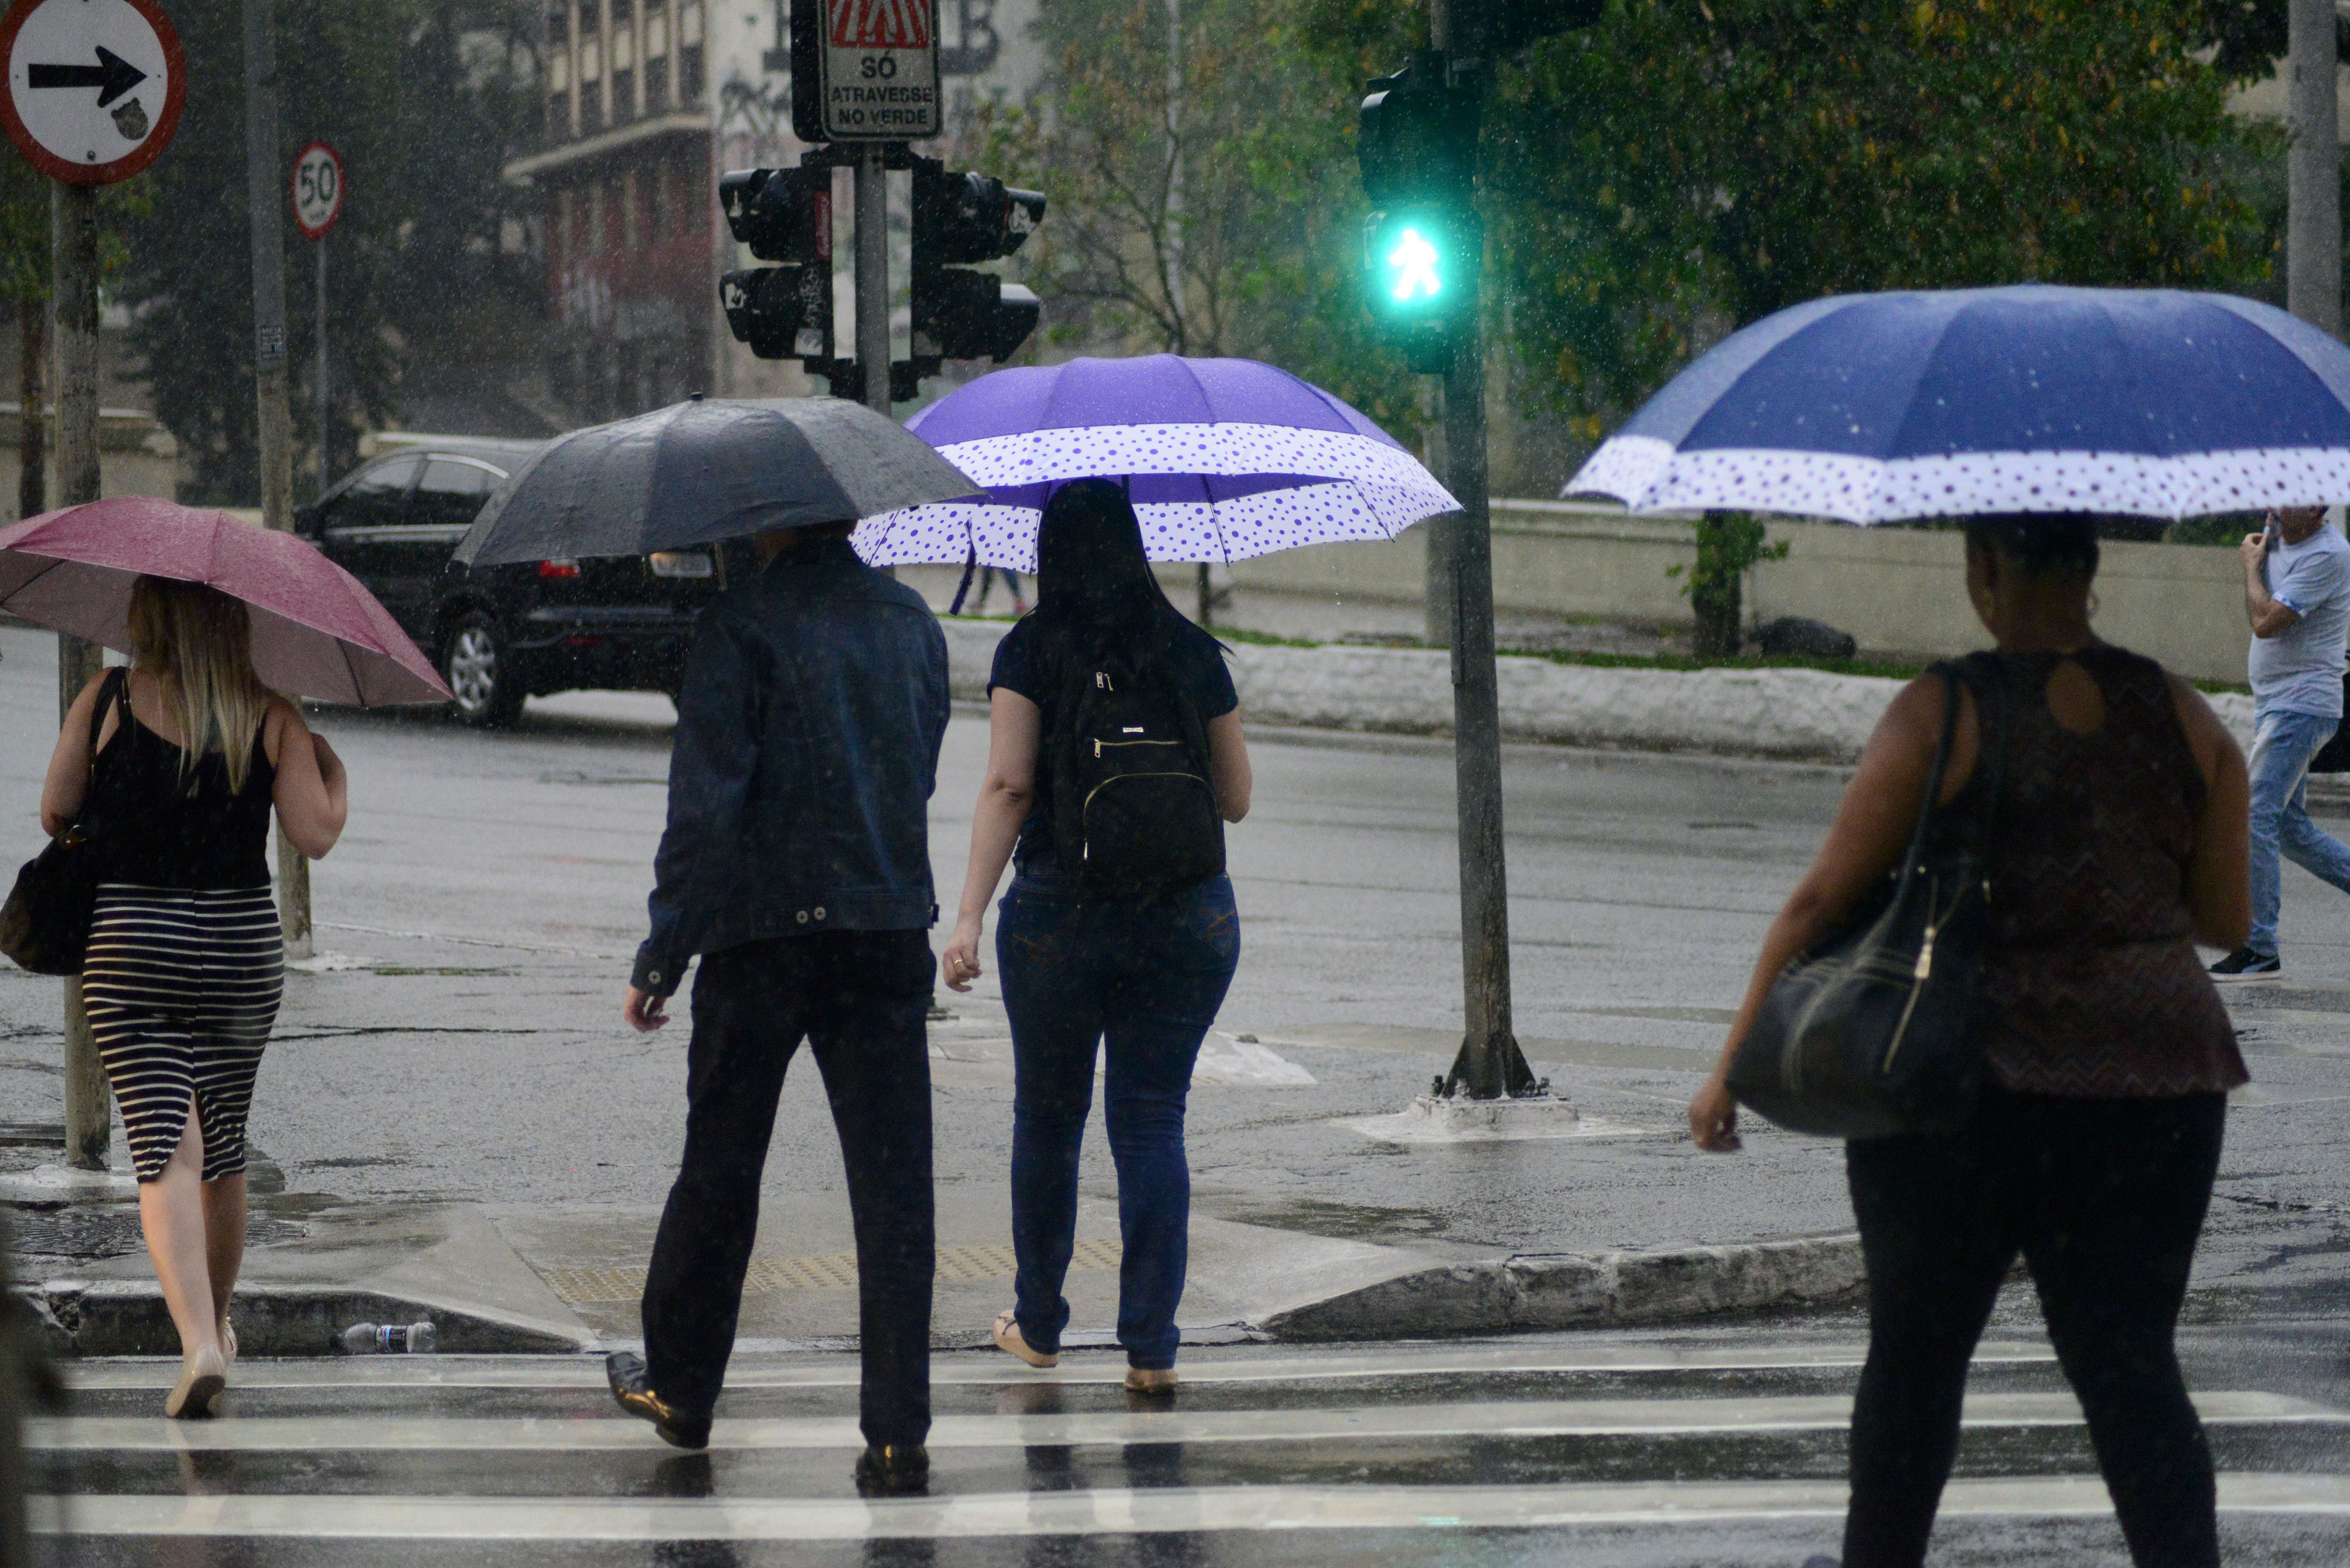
x: 1487, y: 1420
x: 1106, y: 1511
x: 567, y: 1371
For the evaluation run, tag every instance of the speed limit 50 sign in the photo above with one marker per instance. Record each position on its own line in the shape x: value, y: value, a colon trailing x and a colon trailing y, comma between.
x: 318, y: 190
x: 880, y: 70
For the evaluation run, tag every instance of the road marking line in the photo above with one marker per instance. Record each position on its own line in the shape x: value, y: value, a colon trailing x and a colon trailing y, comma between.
x: 1105, y: 1511
x: 841, y: 1372
x: 1438, y: 1422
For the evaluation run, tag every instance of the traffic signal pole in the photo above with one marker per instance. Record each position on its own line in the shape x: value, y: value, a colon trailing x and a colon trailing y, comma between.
x: 1490, y: 1064
x: 872, y: 198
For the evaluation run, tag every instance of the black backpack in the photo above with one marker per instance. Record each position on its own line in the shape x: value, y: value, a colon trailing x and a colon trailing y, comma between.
x: 1134, y: 807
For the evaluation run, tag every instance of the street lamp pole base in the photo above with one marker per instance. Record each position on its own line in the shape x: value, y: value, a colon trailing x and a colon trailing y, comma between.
x: 1457, y: 1118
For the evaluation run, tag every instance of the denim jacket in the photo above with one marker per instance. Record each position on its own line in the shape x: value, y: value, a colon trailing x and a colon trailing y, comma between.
x: 799, y: 782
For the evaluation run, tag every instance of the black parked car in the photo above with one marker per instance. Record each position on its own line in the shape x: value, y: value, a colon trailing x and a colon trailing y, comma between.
x: 500, y: 634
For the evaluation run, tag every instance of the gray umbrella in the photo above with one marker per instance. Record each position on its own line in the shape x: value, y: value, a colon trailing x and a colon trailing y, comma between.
x: 700, y: 472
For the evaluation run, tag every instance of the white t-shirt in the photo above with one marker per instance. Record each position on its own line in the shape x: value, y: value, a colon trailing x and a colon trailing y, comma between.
x: 2299, y: 670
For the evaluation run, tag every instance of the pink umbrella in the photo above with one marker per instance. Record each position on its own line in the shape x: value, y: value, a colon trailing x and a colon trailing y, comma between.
x: 315, y: 631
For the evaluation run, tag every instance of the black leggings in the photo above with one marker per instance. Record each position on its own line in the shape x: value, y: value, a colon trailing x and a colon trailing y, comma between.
x: 2105, y: 1200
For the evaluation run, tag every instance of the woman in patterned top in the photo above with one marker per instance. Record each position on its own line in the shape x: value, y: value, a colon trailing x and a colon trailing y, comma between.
x: 2117, y: 842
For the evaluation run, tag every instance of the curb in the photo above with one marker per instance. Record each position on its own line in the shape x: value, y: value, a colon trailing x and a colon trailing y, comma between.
x: 109, y: 1318
x: 1583, y: 1290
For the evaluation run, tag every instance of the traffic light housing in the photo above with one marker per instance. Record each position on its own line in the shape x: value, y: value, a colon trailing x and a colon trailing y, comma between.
x: 1423, y: 245
x: 959, y: 314
x: 782, y: 215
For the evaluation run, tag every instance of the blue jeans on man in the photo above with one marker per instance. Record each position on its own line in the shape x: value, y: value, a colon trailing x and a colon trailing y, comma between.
x: 2283, y: 745
x: 1142, y: 980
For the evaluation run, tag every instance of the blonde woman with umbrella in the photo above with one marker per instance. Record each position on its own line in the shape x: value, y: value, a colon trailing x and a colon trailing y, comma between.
x: 185, y: 958
x: 172, y: 769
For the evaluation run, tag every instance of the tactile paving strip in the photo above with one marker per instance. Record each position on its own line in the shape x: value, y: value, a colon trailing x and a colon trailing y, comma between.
x: 823, y: 1271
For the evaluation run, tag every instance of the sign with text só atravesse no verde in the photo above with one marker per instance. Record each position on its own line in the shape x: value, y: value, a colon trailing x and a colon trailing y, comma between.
x: 880, y: 70
x: 95, y: 87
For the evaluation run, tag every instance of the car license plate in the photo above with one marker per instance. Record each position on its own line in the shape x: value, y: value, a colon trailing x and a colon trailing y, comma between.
x: 681, y: 563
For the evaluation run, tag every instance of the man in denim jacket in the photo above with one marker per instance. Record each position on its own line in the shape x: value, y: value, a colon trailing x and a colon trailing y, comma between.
x: 2297, y: 597
x: 797, y: 864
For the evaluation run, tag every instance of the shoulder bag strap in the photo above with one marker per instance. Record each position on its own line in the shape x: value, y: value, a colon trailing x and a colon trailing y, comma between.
x: 1930, y: 806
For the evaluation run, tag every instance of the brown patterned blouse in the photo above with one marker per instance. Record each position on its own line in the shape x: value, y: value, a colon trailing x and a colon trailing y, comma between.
x: 2091, y: 985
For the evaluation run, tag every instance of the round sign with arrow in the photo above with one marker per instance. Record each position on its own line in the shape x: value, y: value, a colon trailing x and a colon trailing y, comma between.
x: 318, y: 190
x: 95, y: 87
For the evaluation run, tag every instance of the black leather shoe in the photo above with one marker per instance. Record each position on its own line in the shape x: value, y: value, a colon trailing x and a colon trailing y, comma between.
x: 893, y: 1470
x: 681, y: 1428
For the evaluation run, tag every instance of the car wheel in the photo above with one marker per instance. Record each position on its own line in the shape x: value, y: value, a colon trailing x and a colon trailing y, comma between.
x: 480, y: 671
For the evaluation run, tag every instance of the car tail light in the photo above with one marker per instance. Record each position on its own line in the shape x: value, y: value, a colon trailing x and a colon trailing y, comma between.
x: 558, y: 568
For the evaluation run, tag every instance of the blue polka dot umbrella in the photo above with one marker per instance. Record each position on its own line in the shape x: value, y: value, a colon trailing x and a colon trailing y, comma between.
x: 1223, y: 459
x: 1879, y: 408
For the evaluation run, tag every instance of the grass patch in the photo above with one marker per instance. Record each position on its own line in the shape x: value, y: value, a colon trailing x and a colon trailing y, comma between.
x: 1889, y: 670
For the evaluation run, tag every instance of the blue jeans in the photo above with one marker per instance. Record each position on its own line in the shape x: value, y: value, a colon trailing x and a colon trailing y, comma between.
x: 1143, y: 980
x: 2283, y: 745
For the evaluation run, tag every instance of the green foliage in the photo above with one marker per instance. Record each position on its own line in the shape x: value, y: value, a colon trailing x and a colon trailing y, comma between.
x: 1687, y: 169
x: 1264, y: 229
x: 425, y: 99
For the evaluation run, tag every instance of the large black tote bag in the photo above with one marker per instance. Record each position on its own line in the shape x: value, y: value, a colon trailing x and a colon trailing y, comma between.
x: 1867, y: 1035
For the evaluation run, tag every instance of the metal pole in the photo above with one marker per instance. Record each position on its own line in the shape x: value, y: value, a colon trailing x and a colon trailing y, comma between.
x: 1490, y: 1064
x: 873, y: 276
x: 73, y: 264
x: 2314, y: 202
x: 1177, y: 335
x: 324, y: 390
x: 274, y: 420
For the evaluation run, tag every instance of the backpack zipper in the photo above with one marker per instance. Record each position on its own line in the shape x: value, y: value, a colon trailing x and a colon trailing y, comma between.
x: 1085, y: 851
x: 1114, y: 746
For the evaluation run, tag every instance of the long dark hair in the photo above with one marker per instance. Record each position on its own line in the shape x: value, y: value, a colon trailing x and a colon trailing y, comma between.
x: 1096, y: 597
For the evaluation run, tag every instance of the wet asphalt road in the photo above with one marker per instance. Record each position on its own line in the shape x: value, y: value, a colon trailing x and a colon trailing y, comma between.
x: 1718, y: 1448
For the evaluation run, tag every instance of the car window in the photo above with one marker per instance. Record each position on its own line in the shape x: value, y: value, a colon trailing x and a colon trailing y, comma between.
x: 450, y: 493
x: 375, y: 498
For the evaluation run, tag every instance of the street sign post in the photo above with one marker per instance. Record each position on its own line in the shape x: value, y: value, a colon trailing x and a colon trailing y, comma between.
x: 880, y: 70
x: 317, y: 191
x: 95, y: 91
x: 95, y: 87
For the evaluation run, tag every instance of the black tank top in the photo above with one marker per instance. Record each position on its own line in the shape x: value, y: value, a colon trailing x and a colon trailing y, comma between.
x: 159, y: 827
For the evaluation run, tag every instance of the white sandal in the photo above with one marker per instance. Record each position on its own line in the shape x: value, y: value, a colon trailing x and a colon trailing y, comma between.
x: 228, y: 1342
x: 1007, y: 1338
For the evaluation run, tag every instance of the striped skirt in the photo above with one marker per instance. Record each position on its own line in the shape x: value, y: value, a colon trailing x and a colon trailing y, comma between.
x: 181, y: 987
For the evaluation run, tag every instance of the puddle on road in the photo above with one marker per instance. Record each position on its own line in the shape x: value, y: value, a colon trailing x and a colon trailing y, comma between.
x: 1320, y: 1217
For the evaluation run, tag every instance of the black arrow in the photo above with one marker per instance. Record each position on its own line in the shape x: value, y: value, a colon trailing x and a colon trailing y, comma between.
x: 112, y: 75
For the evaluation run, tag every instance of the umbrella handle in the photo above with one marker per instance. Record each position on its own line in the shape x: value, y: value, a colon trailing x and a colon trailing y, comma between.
x: 970, y: 566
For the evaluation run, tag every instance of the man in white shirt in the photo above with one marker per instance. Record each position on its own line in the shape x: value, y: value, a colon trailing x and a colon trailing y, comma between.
x: 2297, y: 595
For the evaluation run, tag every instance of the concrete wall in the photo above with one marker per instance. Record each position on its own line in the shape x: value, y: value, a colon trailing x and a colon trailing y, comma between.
x: 136, y: 456
x: 1897, y: 590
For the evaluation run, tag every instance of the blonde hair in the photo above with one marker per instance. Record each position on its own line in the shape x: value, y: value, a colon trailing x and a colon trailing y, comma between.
x: 198, y: 642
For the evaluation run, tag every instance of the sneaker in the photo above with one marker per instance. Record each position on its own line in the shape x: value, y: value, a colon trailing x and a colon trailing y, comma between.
x: 893, y: 1470
x: 679, y: 1428
x: 2246, y: 964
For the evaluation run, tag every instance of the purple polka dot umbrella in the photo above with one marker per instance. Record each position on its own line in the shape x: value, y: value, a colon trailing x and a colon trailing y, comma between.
x: 1879, y: 408
x: 1224, y: 458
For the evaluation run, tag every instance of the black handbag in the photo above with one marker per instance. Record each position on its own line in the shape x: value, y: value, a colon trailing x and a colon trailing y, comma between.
x: 45, y: 924
x: 1867, y: 1035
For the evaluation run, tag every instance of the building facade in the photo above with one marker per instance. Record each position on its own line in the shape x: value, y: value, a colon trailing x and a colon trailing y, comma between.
x: 647, y: 102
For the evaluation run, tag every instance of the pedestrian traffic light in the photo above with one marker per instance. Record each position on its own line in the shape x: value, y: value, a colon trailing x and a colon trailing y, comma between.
x: 960, y: 314
x: 783, y: 214
x: 1421, y: 247
x: 786, y: 215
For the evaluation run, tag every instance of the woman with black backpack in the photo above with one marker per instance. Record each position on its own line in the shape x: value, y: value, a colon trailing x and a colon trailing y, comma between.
x: 1114, y: 758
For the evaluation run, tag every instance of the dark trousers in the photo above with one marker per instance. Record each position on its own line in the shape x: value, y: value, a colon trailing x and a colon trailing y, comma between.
x: 859, y: 999
x: 1142, y: 981
x: 2105, y: 1200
